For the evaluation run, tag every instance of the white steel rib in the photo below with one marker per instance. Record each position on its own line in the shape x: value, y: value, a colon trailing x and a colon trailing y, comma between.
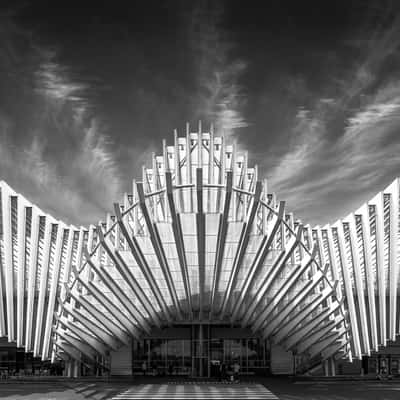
x: 199, y: 239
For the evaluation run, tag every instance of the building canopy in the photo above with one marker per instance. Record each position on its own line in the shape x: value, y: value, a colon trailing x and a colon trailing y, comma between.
x: 199, y: 240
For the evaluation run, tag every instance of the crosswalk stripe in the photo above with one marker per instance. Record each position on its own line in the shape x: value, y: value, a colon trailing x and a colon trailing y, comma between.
x: 196, y: 391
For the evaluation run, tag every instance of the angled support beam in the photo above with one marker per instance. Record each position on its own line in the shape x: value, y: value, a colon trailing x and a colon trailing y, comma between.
x: 119, y: 332
x: 88, y: 350
x: 286, y: 329
x: 107, y: 303
x: 325, y: 329
x: 302, y: 338
x: 278, y: 264
x: 326, y: 342
x: 333, y: 350
x: 116, y: 290
x: 71, y: 351
x: 123, y: 269
x: 92, y: 327
x: 125, y: 321
x: 157, y: 246
x: 201, y: 233
x: 247, y: 317
x: 284, y: 289
x: 85, y: 337
x: 243, y: 243
x: 307, y: 327
x: 178, y: 237
x: 302, y: 295
x: 142, y: 263
x: 323, y: 338
x: 259, y: 259
x: 82, y: 348
x: 221, y: 239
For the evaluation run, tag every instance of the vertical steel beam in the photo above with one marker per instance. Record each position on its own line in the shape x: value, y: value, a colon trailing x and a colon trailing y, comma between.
x: 178, y: 237
x: 359, y: 284
x: 211, y: 193
x: 201, y: 236
x: 43, y: 286
x: 393, y: 257
x: 22, y: 209
x: 233, y: 169
x: 32, y: 268
x: 189, y: 197
x: 53, y: 289
x: 8, y: 262
x: 221, y: 240
x: 3, y: 331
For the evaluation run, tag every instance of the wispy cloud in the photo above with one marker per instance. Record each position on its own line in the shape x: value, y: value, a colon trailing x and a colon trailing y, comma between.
x: 53, y: 148
x: 222, y: 97
x: 53, y: 80
x: 345, y: 147
x: 337, y: 175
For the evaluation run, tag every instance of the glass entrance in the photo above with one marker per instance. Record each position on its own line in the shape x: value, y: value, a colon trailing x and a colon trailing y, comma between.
x: 199, y: 351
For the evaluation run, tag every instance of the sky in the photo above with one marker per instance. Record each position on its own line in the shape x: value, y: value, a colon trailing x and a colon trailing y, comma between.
x: 310, y: 89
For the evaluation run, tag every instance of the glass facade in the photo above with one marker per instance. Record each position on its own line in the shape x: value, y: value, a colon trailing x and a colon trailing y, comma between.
x: 201, y: 354
x: 14, y: 361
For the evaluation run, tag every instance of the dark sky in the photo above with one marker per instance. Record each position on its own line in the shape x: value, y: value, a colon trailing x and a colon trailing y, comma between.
x: 310, y: 88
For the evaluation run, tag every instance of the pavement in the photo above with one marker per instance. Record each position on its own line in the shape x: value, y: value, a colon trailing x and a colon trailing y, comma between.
x: 266, y: 388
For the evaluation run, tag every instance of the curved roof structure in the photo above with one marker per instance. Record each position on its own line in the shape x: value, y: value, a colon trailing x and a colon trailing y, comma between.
x: 199, y: 239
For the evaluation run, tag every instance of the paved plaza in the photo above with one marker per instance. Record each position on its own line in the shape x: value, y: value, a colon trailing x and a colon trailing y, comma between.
x: 269, y: 388
x: 197, y: 391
